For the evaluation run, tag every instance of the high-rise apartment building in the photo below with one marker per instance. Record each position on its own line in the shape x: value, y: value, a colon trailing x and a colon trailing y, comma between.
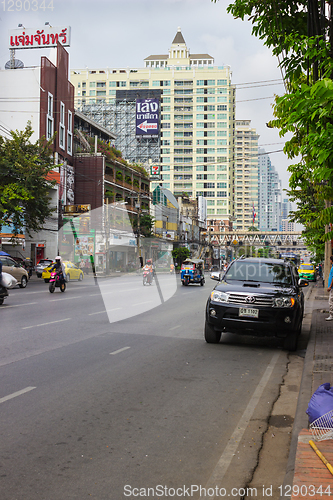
x: 246, y: 176
x: 195, y: 147
x: 270, y: 194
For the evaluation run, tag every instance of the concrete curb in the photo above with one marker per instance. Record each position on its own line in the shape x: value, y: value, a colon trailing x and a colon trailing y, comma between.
x: 305, y: 393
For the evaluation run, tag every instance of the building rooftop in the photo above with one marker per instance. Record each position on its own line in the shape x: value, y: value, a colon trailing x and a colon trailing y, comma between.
x: 179, y: 37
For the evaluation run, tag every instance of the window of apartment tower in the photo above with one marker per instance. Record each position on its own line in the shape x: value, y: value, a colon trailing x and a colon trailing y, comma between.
x: 70, y: 133
x: 62, y: 126
x: 49, y: 117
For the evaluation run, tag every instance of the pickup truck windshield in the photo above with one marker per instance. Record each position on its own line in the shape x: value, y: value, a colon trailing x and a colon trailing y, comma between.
x: 265, y: 272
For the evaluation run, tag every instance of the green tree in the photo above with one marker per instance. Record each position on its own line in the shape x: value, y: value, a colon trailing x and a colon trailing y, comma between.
x: 24, y: 188
x: 146, y: 225
x: 180, y: 254
x: 300, y: 42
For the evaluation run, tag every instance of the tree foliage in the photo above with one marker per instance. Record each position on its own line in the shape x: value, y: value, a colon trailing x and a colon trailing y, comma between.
x: 146, y: 225
x: 297, y: 31
x: 180, y: 254
x: 24, y: 188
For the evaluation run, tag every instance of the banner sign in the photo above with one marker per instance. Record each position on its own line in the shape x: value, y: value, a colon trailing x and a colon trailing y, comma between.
x: 36, y: 39
x: 147, y: 117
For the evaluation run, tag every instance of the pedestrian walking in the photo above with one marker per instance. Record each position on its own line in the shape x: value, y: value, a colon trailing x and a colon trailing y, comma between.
x: 82, y: 265
x: 329, y: 289
x: 320, y: 270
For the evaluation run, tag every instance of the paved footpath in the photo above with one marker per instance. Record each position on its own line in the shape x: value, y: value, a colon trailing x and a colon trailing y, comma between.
x: 308, y: 475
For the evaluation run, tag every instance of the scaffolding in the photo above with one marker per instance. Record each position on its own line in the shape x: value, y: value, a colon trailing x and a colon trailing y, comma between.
x: 119, y: 117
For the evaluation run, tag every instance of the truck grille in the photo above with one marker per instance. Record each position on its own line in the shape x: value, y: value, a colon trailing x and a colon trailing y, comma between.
x: 259, y: 300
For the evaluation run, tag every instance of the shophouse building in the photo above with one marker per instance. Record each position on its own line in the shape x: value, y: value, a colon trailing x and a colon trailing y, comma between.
x: 110, y: 196
x: 195, y: 145
x: 44, y: 96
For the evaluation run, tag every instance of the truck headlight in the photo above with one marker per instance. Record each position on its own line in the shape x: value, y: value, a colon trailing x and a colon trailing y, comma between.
x: 284, y: 302
x: 217, y: 296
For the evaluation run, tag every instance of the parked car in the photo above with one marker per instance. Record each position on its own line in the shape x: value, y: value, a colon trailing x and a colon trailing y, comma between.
x: 72, y: 272
x: 42, y: 264
x: 260, y: 297
x: 307, y: 271
x: 15, y: 269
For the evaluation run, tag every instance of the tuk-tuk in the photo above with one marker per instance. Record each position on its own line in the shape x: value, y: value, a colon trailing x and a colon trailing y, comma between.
x: 192, y: 271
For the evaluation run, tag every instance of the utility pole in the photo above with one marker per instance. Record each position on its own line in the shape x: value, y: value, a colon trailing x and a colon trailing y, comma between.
x: 138, y: 206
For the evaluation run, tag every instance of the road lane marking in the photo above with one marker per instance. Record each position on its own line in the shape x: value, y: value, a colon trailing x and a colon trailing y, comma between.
x: 43, y: 291
x: 141, y: 303
x: 120, y: 350
x: 105, y: 311
x: 174, y: 327
x: 19, y: 305
x: 44, y: 324
x: 65, y: 298
x: 15, y: 394
x: 234, y: 440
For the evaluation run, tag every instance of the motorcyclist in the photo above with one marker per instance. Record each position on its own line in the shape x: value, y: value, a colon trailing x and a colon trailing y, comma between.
x: 150, y: 269
x: 59, y: 268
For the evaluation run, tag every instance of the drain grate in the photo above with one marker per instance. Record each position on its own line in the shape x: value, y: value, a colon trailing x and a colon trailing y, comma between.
x: 322, y: 367
x: 323, y: 363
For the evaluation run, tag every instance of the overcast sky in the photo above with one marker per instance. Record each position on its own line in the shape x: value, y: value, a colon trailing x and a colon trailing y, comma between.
x: 121, y: 33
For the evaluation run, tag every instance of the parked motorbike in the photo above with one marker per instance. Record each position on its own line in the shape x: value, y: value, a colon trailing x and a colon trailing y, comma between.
x: 147, y: 277
x: 56, y: 280
x: 3, y: 294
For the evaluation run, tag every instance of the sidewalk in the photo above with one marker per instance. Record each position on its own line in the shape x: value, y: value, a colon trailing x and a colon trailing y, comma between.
x: 308, y: 475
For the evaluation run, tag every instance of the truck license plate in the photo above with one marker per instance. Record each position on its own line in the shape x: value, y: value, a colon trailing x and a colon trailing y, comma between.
x: 248, y: 312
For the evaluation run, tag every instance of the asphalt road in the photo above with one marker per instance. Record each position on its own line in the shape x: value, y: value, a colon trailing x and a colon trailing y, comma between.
x: 110, y: 388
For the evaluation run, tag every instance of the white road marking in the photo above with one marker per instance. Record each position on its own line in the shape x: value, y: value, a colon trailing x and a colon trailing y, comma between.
x: 108, y: 310
x: 230, y: 450
x: 141, y: 303
x: 44, y: 324
x: 116, y: 289
x: 120, y: 350
x: 15, y: 394
x: 19, y: 305
x: 65, y: 298
x: 174, y: 327
x: 46, y: 289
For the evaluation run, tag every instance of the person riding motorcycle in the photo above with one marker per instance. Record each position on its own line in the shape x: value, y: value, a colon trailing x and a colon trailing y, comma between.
x: 3, y: 289
x: 148, y: 268
x: 59, y: 268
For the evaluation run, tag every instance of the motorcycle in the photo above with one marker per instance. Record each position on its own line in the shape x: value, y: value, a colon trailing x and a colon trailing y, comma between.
x: 147, y: 277
x: 6, y: 281
x: 56, y: 281
x: 3, y: 294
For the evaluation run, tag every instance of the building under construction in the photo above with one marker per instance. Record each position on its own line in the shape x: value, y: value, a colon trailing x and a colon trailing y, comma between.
x: 119, y: 116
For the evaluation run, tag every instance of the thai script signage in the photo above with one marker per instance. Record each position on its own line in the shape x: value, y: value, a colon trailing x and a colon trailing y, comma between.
x: 77, y: 209
x: 147, y: 117
x: 39, y: 38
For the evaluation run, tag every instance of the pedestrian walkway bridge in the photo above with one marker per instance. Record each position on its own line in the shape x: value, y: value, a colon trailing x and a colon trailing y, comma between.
x: 257, y: 238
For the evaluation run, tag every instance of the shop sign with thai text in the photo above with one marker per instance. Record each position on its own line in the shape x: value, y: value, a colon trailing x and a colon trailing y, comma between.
x: 39, y: 38
x: 147, y: 117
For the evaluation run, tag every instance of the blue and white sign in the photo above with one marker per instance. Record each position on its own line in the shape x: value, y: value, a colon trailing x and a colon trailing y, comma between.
x: 147, y: 117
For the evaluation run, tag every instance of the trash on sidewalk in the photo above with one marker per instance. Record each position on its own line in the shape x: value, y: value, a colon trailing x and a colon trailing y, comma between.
x: 321, y: 456
x: 320, y: 412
